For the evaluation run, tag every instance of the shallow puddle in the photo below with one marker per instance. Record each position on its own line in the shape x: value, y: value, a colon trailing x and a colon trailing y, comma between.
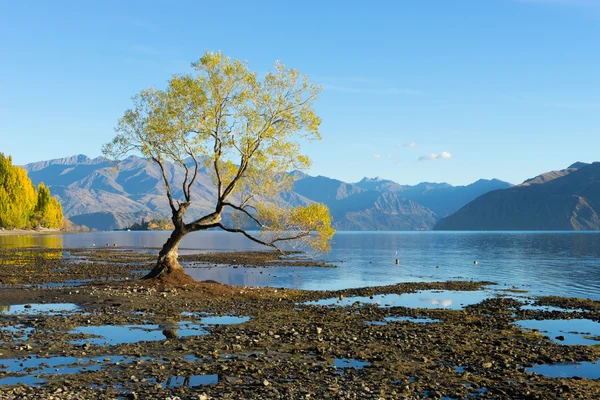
x: 29, y: 380
x: 223, y: 320
x: 446, y: 299
x: 416, y: 320
x: 548, y: 308
x: 574, y: 331
x: 67, y: 283
x: 18, y: 332
x: 588, y: 370
x: 342, y: 363
x: 119, y: 334
x: 190, y: 381
x: 34, y: 309
x: 32, y: 369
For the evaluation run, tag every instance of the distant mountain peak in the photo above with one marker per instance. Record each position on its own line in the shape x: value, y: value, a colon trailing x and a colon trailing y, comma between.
x: 549, y: 176
x: 374, y: 179
x: 577, y: 165
x: 78, y: 159
x: 297, y: 174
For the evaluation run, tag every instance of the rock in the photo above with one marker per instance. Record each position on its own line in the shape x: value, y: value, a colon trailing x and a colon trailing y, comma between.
x: 266, y: 382
x: 560, y: 337
x: 487, y: 365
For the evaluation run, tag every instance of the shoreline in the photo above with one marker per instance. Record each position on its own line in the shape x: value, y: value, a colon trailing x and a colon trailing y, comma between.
x: 31, y: 232
x: 289, y: 346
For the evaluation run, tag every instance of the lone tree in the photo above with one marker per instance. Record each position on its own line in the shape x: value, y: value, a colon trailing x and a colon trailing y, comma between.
x: 245, y: 131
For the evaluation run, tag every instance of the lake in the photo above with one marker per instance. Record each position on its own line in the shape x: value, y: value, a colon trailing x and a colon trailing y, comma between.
x: 544, y: 263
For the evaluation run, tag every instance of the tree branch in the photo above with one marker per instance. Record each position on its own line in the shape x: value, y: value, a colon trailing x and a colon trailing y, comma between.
x: 183, y: 185
x: 208, y: 221
x: 167, y: 187
x: 243, y: 232
x: 245, y: 212
x: 231, y: 186
x: 191, y: 153
x: 298, y: 236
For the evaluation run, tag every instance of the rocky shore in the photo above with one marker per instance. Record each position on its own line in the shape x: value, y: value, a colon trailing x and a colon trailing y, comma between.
x: 19, y: 232
x: 76, y: 324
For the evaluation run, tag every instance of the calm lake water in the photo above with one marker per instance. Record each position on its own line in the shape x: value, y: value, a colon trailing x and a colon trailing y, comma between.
x: 549, y: 263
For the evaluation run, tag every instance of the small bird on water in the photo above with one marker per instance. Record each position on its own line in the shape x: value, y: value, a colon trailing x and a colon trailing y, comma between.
x: 475, y: 262
x: 397, y: 261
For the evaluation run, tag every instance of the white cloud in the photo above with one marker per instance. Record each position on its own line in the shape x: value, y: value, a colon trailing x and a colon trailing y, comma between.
x: 377, y: 155
x: 409, y: 144
x: 434, y: 156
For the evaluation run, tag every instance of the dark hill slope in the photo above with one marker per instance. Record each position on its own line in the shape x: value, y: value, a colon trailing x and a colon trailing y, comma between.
x: 570, y: 201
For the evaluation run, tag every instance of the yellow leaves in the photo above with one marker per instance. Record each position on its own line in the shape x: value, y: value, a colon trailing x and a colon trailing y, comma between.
x: 20, y: 205
x: 303, y: 226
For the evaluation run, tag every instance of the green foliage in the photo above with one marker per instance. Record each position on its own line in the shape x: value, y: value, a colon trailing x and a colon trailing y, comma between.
x: 159, y: 224
x: 20, y: 205
x: 245, y: 130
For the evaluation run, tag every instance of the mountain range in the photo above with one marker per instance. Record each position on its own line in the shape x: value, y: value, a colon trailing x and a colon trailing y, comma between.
x: 104, y: 195
x: 567, y: 199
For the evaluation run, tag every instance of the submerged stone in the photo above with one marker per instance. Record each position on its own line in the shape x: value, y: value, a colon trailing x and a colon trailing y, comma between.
x: 565, y: 331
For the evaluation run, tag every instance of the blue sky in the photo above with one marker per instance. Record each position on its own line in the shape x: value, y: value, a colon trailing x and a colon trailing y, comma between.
x: 414, y: 90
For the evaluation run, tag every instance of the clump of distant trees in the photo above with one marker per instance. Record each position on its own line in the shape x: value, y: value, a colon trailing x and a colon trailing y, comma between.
x: 160, y: 224
x: 21, y: 204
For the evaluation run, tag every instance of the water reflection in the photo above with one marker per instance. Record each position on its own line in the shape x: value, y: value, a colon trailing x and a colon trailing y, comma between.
x: 190, y: 381
x: 342, y: 363
x: 557, y: 263
x: 454, y: 300
x: 119, y: 334
x: 30, y: 370
x: 45, y: 241
x: 33, y: 309
x: 566, y: 331
x: 590, y: 370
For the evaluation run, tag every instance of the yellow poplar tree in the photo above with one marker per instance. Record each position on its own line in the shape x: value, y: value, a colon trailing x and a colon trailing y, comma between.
x: 17, y: 195
x: 20, y: 205
x: 48, y: 211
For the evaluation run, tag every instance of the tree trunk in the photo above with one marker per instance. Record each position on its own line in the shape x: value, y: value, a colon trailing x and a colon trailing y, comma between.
x: 167, y: 263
